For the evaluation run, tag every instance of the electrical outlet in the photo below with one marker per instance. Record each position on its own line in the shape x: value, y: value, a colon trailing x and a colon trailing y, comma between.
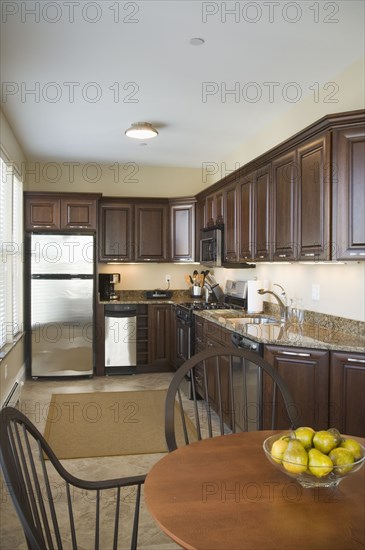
x: 315, y: 292
x: 168, y: 278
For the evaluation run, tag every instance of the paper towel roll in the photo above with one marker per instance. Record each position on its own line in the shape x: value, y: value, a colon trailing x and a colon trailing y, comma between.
x: 255, y: 301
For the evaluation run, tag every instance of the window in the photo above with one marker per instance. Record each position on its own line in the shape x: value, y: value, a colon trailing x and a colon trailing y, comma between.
x: 11, y: 277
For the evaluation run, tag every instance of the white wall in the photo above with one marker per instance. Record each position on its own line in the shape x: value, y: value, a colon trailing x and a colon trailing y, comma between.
x: 342, y: 286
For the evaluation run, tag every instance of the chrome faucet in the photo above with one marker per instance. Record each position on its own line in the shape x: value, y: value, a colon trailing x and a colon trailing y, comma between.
x: 280, y: 299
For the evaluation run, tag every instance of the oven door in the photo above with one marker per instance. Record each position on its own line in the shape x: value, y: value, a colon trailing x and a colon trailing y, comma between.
x: 184, y: 342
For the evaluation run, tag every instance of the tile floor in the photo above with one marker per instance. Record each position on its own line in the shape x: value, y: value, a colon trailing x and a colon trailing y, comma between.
x: 34, y: 401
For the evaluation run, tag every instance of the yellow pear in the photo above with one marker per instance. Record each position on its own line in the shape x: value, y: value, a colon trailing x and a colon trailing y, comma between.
x: 295, y: 457
x: 325, y: 441
x: 305, y: 436
x: 278, y: 448
x: 352, y: 446
x: 319, y: 464
x: 342, y: 459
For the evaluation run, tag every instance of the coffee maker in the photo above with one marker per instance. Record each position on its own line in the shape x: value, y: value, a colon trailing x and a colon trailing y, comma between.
x: 106, y: 285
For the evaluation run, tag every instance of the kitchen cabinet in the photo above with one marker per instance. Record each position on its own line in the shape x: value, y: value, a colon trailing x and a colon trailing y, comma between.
x: 349, y: 193
x: 159, y: 335
x: 182, y: 230
x: 200, y: 223
x: 116, y: 237
x: 262, y: 214
x: 347, y: 392
x: 133, y: 231
x: 150, y: 230
x: 60, y: 211
x: 230, y: 223
x: 245, y: 218
x: 314, y: 199
x: 284, y: 207
x: 306, y: 373
x: 142, y: 335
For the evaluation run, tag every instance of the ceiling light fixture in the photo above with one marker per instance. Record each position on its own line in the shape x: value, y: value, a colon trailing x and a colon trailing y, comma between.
x: 141, y: 130
x: 196, y: 41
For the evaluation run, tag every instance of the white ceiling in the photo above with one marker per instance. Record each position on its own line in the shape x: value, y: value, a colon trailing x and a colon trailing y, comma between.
x: 160, y: 76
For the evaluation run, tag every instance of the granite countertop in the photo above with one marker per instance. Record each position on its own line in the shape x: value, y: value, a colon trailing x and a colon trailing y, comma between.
x: 319, y: 331
x: 310, y: 335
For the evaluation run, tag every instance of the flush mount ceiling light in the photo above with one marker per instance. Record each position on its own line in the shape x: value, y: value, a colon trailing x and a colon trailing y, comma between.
x: 141, y: 130
x: 196, y: 41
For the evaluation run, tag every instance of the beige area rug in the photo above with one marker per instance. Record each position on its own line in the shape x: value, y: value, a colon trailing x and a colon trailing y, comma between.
x: 83, y: 425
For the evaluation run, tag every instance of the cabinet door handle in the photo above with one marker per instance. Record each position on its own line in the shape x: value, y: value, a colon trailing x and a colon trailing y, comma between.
x: 311, y: 254
x: 350, y: 360
x: 282, y: 255
x: 295, y: 354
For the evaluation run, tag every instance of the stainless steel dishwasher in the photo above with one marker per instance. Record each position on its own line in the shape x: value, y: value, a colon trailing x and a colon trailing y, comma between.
x: 120, y: 338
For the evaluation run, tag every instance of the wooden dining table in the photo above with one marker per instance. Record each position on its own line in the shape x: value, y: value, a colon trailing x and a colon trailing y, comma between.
x: 224, y: 494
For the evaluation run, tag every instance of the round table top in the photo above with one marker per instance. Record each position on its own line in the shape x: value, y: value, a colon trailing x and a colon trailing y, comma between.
x: 223, y: 493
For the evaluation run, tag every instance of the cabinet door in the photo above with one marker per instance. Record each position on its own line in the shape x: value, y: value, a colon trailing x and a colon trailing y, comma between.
x: 116, y: 241
x: 245, y: 218
x: 78, y: 213
x: 151, y: 224
x: 210, y: 210
x: 262, y: 214
x: 349, y: 193
x: 182, y: 219
x: 285, y: 207
x: 230, y: 224
x: 347, y: 392
x: 306, y: 373
x: 159, y: 333
x: 314, y: 200
x: 200, y: 224
x: 42, y: 213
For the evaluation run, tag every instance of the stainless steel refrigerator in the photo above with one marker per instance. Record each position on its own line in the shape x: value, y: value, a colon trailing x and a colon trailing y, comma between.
x: 62, y: 298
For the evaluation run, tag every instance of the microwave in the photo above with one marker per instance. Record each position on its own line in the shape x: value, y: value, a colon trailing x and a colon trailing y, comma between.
x: 211, y: 247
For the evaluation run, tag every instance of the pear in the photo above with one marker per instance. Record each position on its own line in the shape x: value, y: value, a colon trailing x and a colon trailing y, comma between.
x: 319, y: 464
x: 305, y: 436
x: 352, y: 446
x: 325, y: 440
x: 278, y: 448
x: 343, y: 459
x: 295, y: 457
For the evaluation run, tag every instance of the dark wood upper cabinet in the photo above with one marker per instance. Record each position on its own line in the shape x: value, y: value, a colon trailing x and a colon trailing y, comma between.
x: 245, y: 218
x: 230, y: 224
x: 78, y: 213
x: 262, y: 214
x: 285, y: 205
x: 116, y: 240
x: 42, y: 212
x: 182, y: 231
x: 150, y: 230
x: 314, y: 200
x: 349, y: 193
x: 60, y: 211
x: 347, y: 391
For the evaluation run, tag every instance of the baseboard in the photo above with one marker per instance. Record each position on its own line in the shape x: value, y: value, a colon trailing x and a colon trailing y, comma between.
x: 13, y: 395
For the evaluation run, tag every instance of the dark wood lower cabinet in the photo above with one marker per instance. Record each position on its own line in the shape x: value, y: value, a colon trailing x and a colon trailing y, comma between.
x: 159, y: 335
x: 347, y: 393
x: 306, y: 373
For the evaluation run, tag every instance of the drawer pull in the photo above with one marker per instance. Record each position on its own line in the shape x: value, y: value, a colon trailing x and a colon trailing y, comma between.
x: 350, y: 360
x: 311, y: 254
x: 296, y: 354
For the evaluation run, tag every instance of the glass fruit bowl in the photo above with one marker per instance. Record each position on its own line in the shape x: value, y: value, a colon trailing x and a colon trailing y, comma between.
x: 309, y: 475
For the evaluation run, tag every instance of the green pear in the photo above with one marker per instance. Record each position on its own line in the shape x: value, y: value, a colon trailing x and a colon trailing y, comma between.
x: 319, y: 464
x: 295, y: 457
x: 324, y: 441
x: 305, y: 436
x: 278, y: 449
x: 353, y: 446
x: 343, y: 459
